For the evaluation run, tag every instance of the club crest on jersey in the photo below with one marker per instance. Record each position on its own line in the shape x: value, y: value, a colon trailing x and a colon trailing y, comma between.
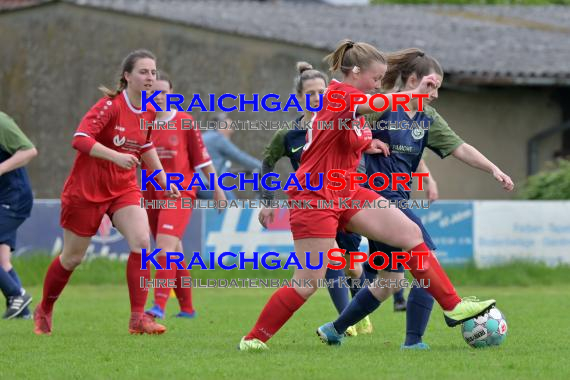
x: 118, y: 141
x: 418, y: 133
x: 173, y: 140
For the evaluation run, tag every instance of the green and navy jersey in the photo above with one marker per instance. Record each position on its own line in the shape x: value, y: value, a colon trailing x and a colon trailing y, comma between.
x: 15, y: 190
x: 286, y: 143
x: 407, y: 138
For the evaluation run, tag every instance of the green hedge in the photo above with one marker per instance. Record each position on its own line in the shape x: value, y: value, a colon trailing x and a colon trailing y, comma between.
x: 549, y: 185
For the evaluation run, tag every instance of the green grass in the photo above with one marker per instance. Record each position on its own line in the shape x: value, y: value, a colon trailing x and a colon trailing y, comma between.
x: 90, y: 341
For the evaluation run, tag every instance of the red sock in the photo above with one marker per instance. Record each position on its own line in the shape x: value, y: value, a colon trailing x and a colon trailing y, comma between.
x: 56, y: 279
x: 137, y: 294
x: 184, y: 294
x: 280, y: 307
x: 440, y: 287
x: 161, y: 294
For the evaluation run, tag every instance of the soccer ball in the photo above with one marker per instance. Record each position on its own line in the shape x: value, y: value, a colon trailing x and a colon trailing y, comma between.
x: 489, y: 329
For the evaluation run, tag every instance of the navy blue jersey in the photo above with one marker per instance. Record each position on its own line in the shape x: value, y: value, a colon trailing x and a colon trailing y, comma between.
x: 294, y: 141
x: 15, y: 190
x: 407, y: 138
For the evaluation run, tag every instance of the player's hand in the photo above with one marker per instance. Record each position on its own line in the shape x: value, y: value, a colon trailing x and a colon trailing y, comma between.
x: 125, y: 161
x: 173, y: 193
x: 266, y: 216
x: 504, y: 179
x: 219, y: 195
x: 432, y: 191
x: 377, y: 147
x: 428, y: 84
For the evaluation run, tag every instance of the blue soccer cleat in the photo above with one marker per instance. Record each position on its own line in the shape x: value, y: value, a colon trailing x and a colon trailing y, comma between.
x: 155, y: 312
x: 329, y: 335
x: 186, y: 315
x: 415, y: 347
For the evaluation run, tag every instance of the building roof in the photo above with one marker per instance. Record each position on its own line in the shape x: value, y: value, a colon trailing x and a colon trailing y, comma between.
x: 474, y: 44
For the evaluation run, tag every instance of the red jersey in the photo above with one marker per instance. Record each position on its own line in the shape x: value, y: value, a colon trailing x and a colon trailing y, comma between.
x: 180, y: 150
x: 114, y: 123
x: 338, y: 148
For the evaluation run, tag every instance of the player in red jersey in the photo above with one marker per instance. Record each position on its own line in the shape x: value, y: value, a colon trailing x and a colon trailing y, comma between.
x: 181, y: 150
x: 314, y: 230
x: 110, y: 144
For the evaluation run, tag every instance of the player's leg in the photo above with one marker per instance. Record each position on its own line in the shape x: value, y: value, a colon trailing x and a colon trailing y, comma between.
x: 339, y: 289
x: 391, y: 226
x: 167, y: 243
x: 57, y: 276
x: 132, y: 222
x: 183, y: 293
x: 287, y: 300
x: 17, y: 300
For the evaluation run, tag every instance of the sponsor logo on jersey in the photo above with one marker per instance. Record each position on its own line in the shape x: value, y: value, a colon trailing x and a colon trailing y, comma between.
x: 118, y: 141
x: 119, y: 128
x: 297, y: 149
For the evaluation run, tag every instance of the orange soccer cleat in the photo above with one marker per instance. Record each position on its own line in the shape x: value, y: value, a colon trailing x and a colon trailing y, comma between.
x: 142, y: 323
x: 42, y: 322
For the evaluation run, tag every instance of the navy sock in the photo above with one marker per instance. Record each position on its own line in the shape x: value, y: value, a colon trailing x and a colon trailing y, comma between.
x: 356, y: 285
x: 12, y: 272
x: 399, y: 296
x: 8, y: 286
x: 338, y: 292
x: 369, y: 274
x: 420, y: 303
x: 363, y: 304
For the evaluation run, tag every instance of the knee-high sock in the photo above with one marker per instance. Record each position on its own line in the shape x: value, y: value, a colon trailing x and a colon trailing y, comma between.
x: 399, y: 296
x: 161, y: 294
x: 356, y: 285
x: 184, y: 294
x: 280, y: 307
x: 338, y: 292
x: 440, y: 287
x: 363, y: 304
x: 420, y: 303
x: 56, y: 279
x: 137, y: 294
x: 9, y: 287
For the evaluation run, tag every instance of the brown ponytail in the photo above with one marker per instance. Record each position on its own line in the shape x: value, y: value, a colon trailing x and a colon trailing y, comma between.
x: 127, y: 66
x: 306, y: 72
x: 349, y: 54
x: 402, y: 64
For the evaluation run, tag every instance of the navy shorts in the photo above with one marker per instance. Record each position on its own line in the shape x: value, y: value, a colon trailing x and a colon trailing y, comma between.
x: 348, y: 240
x: 8, y: 226
x: 387, y: 249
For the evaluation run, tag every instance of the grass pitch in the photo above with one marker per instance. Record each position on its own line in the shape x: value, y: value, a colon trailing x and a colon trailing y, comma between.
x: 91, y: 341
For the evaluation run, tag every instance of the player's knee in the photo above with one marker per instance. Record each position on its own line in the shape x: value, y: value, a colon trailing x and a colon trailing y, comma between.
x: 70, y: 262
x: 139, y: 242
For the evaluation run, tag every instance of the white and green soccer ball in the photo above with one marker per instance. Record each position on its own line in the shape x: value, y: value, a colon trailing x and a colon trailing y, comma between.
x: 489, y: 329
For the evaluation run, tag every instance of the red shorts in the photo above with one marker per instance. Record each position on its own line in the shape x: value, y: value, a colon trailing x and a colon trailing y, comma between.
x: 84, y: 218
x: 323, y: 222
x: 171, y: 221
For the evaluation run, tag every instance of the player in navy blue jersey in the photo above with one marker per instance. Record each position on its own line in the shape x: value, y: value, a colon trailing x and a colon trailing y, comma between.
x: 290, y: 143
x: 428, y: 129
x: 16, y: 201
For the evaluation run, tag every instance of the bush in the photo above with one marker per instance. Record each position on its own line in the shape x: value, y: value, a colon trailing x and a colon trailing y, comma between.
x: 551, y: 185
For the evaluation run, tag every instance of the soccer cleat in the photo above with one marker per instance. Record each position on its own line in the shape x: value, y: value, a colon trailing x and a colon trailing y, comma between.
x: 328, y: 334
x: 141, y: 323
x: 42, y: 322
x: 400, y: 306
x: 468, y: 308
x: 364, y: 326
x: 415, y: 347
x: 155, y: 312
x: 351, y: 331
x: 16, y: 305
x: 252, y: 345
x: 184, y: 314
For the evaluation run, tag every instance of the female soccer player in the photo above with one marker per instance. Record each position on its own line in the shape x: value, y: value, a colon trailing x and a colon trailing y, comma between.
x: 181, y: 150
x: 16, y: 201
x: 289, y: 143
x: 110, y: 143
x: 314, y: 230
x: 406, y: 68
